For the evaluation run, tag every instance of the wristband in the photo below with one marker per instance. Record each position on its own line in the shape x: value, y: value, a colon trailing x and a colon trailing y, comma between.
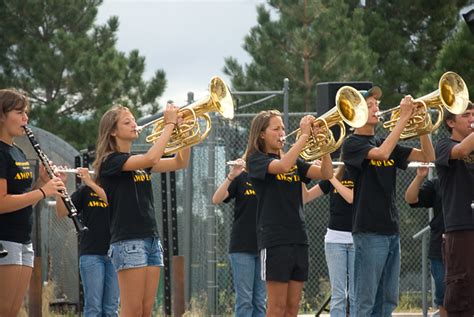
x: 173, y: 123
x: 42, y: 192
x: 230, y: 179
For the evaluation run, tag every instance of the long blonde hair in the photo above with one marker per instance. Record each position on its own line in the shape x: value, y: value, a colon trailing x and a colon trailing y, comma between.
x: 106, y: 143
x: 259, y: 123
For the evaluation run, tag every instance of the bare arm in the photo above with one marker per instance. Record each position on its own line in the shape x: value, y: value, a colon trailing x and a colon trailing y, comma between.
x: 312, y: 193
x: 10, y: 203
x: 413, y: 190
x: 284, y: 164
x: 179, y: 161
x: 426, y: 153
x: 384, y: 151
x: 153, y: 156
x: 464, y: 148
x: 222, y: 191
x: 322, y: 171
x: 345, y: 192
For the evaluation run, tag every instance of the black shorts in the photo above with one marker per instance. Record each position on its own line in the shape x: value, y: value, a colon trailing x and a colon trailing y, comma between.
x: 459, y: 267
x: 283, y: 263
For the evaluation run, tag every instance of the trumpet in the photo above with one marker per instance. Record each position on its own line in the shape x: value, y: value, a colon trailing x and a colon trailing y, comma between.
x: 350, y: 108
x: 196, y: 120
x: 452, y: 94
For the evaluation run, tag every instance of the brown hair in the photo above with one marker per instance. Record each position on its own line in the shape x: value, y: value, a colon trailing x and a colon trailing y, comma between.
x: 451, y: 116
x: 106, y: 143
x: 259, y: 123
x: 12, y: 99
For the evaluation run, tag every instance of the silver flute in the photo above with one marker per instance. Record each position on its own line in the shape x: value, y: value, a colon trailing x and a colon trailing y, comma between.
x: 70, y: 170
x: 411, y: 164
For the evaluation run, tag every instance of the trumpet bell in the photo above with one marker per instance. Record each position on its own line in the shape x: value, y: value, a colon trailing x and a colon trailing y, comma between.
x: 350, y: 108
x: 452, y: 94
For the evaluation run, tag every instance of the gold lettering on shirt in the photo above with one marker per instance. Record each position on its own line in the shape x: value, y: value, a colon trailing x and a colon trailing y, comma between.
x: 347, y: 183
x: 382, y: 163
x: 23, y: 164
x: 289, y: 177
x: 141, y: 176
x: 23, y: 175
x: 96, y: 203
x: 469, y: 159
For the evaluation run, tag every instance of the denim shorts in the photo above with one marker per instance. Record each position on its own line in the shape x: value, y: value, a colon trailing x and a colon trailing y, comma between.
x: 18, y: 253
x: 136, y: 253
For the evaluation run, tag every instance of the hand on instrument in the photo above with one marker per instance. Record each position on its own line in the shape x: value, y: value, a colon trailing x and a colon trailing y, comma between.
x: 61, y: 175
x: 171, y: 113
x: 406, y: 108
x: 83, y: 173
x: 237, y: 168
x: 422, y: 171
x: 43, y: 175
x: 306, y: 124
x: 53, y: 187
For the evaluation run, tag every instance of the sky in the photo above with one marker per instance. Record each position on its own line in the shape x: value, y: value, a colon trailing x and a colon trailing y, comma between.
x: 188, y: 39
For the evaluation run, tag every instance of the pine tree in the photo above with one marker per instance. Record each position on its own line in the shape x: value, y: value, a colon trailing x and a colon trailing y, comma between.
x: 70, y: 67
x: 307, y: 42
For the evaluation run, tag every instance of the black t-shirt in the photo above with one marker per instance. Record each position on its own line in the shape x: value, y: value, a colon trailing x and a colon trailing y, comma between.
x: 94, y: 213
x: 374, y: 208
x: 130, y: 196
x: 456, y: 178
x: 16, y: 226
x: 340, y: 211
x: 429, y: 196
x: 280, y: 214
x: 243, y: 237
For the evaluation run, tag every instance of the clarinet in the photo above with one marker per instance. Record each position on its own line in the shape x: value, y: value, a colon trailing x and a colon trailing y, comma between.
x: 72, y: 211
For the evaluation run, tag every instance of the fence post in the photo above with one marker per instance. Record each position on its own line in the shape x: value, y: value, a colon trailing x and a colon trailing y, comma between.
x: 188, y: 217
x: 211, y: 227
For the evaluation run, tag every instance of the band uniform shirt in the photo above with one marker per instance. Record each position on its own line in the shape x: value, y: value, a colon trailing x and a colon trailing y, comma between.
x: 94, y: 214
x: 280, y: 214
x: 15, y: 169
x: 456, y: 178
x: 243, y: 237
x: 340, y: 211
x: 374, y: 207
x: 130, y: 198
x: 429, y: 196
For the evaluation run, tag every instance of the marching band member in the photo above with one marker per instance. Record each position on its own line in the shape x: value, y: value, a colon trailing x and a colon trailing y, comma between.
x: 281, y: 230
x: 126, y: 178
x: 427, y: 193
x: 99, y: 279
x: 372, y: 163
x: 338, y: 243
x: 16, y: 200
x: 455, y: 167
x: 250, y: 294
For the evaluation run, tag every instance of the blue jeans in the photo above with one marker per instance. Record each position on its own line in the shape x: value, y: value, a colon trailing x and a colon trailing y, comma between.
x: 437, y: 271
x: 250, y: 292
x: 340, y: 261
x: 377, y: 273
x: 101, y: 290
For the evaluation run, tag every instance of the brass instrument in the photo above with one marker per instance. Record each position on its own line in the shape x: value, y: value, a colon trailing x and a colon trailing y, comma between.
x: 195, y: 115
x: 350, y: 108
x: 452, y: 94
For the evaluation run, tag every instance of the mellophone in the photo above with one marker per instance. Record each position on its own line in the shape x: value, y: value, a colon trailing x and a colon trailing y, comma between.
x: 72, y: 211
